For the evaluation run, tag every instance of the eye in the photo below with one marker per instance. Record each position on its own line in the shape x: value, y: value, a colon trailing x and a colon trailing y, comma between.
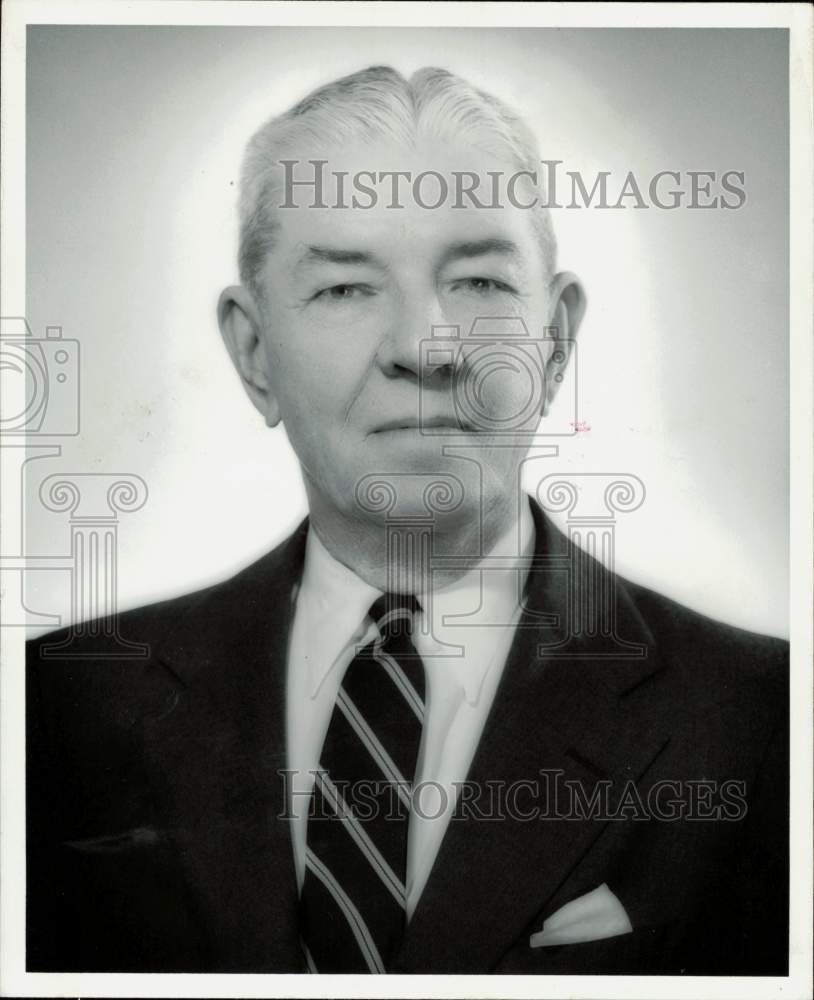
x: 481, y: 286
x: 342, y: 293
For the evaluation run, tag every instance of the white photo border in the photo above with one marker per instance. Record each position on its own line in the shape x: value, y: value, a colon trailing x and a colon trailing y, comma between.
x: 797, y: 18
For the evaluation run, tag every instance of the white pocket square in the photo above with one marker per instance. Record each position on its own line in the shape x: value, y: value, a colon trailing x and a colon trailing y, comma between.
x: 592, y: 917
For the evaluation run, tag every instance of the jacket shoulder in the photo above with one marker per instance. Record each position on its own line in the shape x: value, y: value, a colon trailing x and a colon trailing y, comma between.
x: 123, y: 668
x: 149, y: 624
x: 675, y: 625
x: 714, y: 659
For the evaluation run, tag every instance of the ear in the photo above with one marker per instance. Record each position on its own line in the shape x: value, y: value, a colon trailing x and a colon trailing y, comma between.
x: 568, y: 302
x: 241, y: 327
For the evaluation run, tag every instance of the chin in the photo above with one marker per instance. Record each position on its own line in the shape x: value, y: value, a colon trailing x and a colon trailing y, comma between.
x: 408, y: 476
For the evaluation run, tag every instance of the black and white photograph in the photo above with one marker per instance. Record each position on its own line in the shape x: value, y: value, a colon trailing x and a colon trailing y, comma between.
x: 407, y: 491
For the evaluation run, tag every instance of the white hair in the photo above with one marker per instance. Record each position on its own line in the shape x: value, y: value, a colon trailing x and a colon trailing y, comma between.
x: 371, y: 104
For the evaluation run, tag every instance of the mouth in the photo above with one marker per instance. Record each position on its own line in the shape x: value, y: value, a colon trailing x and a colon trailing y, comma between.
x: 425, y: 423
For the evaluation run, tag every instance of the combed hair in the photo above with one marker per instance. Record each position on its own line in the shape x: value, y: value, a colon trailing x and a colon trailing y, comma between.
x: 372, y: 104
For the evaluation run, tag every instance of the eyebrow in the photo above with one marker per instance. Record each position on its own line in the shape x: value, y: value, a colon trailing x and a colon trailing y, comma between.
x: 479, y: 248
x: 463, y: 249
x: 335, y: 255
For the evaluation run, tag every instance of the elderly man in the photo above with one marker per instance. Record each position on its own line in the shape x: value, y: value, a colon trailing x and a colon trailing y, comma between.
x: 390, y: 745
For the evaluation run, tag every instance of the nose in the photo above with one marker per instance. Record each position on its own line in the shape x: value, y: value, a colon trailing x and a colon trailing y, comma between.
x: 400, y: 353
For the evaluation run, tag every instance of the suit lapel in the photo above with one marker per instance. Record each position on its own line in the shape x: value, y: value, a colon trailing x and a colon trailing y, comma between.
x: 216, y: 757
x: 569, y: 717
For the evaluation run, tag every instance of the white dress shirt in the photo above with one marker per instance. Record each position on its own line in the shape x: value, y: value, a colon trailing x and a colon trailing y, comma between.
x: 331, y: 621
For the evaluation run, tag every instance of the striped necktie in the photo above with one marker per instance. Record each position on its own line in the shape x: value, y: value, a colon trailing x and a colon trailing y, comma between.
x: 353, y: 896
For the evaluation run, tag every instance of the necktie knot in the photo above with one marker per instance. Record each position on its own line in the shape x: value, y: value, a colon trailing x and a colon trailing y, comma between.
x: 393, y: 614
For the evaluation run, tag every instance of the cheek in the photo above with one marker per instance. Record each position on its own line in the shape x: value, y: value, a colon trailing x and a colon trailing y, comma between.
x: 511, y: 400
x: 314, y: 388
x: 502, y: 386
x: 319, y: 359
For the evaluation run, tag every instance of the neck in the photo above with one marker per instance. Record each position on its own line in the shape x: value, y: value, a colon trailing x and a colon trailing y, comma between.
x: 394, y: 556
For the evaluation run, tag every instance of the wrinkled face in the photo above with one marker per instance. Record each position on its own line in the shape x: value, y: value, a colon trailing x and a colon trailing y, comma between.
x: 351, y: 300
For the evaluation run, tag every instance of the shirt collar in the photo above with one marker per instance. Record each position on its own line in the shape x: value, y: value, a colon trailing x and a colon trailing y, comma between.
x: 333, y: 604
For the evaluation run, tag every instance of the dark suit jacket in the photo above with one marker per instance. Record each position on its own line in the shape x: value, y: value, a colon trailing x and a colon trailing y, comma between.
x: 155, y: 841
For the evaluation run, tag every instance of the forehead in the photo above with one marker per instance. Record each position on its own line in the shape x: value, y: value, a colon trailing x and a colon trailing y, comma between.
x: 400, y: 201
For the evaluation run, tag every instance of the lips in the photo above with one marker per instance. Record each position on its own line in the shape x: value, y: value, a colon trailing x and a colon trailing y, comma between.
x: 425, y: 423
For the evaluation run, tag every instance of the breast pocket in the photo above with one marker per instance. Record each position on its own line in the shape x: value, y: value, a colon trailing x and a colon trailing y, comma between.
x: 642, y: 951
x: 114, y: 902
x: 140, y: 838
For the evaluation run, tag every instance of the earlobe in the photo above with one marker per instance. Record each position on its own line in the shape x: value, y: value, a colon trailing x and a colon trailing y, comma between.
x: 242, y: 331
